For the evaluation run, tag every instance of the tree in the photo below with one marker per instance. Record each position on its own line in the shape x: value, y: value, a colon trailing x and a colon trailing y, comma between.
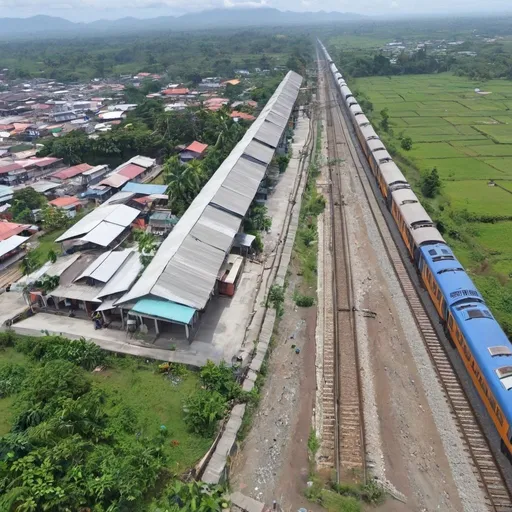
x: 146, y: 244
x: 257, y: 219
x: 406, y: 143
x: 23, y: 202
x: 29, y: 263
x: 430, y: 183
x: 54, y: 218
x: 384, y: 123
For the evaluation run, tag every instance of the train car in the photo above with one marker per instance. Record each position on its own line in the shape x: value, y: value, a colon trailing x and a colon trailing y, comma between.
x: 415, y: 226
x: 345, y: 93
x: 487, y: 354
x: 364, y: 134
x: 390, y: 179
x: 445, y: 278
x: 377, y: 155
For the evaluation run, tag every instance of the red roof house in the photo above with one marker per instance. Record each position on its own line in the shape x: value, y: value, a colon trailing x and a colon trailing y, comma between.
x: 176, y: 92
x: 131, y: 171
x: 9, y: 168
x: 63, y: 202
x: 71, y: 172
x: 242, y: 115
x: 193, y: 151
x: 8, y: 229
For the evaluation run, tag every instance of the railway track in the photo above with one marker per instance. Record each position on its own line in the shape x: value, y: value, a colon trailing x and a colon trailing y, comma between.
x: 348, y: 426
x: 10, y: 275
x: 486, y: 468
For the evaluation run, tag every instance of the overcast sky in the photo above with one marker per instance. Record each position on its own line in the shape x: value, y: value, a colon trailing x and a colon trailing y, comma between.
x: 88, y: 10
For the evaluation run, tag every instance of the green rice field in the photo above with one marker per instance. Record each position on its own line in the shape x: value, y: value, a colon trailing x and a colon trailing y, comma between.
x: 467, y: 136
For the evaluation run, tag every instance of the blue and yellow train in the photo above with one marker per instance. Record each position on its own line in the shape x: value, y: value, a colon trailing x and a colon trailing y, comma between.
x: 478, y: 337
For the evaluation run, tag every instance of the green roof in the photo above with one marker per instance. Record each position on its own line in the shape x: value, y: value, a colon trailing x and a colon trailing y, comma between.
x: 164, y: 309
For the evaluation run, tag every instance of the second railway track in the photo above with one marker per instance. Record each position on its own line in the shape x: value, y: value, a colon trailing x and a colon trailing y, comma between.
x: 350, y: 461
x: 487, y: 471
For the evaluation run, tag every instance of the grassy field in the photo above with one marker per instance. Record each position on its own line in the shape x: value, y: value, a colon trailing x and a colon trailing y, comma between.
x: 467, y: 137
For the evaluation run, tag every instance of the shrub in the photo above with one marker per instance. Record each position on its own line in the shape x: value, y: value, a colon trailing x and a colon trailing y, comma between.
x: 7, y: 339
x: 47, y: 348
x: 11, y: 378
x: 276, y: 298
x: 203, y: 409
x: 406, y: 143
x: 220, y: 378
x: 303, y: 301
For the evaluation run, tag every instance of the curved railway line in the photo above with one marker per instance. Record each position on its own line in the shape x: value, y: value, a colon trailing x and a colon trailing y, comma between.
x: 485, y: 466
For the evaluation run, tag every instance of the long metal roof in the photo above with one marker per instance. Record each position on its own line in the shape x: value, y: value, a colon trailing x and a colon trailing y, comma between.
x: 185, y: 267
x: 105, y: 265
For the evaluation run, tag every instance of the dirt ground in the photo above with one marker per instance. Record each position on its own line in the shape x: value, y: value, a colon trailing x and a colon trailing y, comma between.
x: 273, y: 464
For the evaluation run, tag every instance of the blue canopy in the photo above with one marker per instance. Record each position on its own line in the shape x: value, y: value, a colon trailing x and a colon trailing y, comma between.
x: 164, y: 309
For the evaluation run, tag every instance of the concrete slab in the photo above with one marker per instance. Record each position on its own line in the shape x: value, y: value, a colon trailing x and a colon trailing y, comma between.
x: 11, y: 304
x: 108, y: 339
x: 246, y: 503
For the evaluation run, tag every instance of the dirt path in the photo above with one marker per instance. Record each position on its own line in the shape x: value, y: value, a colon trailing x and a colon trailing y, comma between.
x: 273, y: 464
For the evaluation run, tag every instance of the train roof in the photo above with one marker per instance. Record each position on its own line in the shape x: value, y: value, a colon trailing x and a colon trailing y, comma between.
x: 368, y: 132
x: 383, y: 157
x: 491, y: 349
x: 427, y: 235
x: 449, y: 273
x: 355, y: 108
x: 361, y: 120
x: 338, y: 75
x: 345, y: 91
x: 376, y: 145
x: 391, y: 173
x: 415, y: 215
x: 341, y: 81
x: 404, y: 196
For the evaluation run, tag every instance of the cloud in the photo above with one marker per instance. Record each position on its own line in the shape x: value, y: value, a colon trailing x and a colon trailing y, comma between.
x: 244, y: 3
x: 394, y: 5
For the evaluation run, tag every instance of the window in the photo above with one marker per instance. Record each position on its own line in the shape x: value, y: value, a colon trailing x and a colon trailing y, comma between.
x: 445, y: 251
x: 464, y: 293
x: 504, y: 371
x: 505, y: 375
x: 432, y: 252
x: 439, y: 295
x: 501, y: 350
x: 478, y: 313
x: 458, y: 269
x: 450, y: 321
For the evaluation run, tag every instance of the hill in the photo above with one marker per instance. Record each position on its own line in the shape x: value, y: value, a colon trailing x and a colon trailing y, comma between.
x: 48, y: 26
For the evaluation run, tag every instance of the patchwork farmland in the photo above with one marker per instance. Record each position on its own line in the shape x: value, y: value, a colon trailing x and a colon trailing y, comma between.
x: 467, y: 136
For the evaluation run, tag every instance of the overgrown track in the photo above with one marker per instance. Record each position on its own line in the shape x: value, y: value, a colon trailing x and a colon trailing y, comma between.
x: 348, y: 431
x: 487, y: 471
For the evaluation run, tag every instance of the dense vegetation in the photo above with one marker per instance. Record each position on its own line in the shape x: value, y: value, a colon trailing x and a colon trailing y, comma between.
x: 183, y: 57
x: 74, y: 440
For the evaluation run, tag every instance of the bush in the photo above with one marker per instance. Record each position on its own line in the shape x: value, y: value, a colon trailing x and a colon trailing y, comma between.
x: 276, y: 298
x: 11, y: 378
x: 7, y: 339
x: 406, y: 143
x: 203, y: 409
x: 303, y: 301
x: 220, y: 378
x: 47, y: 348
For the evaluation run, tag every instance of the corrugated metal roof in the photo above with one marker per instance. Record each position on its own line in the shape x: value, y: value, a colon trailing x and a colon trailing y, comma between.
x: 105, y: 265
x: 144, y: 188
x: 104, y: 234
x: 259, y: 151
x: 115, y: 180
x: 124, y: 277
x: 269, y: 133
x: 131, y: 170
x: 76, y: 292
x: 11, y: 243
x: 142, y: 161
x: 119, y: 214
x: 185, y: 267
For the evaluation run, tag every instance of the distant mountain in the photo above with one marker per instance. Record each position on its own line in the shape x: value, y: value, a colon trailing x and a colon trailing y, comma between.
x: 48, y: 26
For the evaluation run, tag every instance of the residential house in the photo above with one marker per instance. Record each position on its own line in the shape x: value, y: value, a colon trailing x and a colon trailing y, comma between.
x: 70, y: 205
x: 193, y: 151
